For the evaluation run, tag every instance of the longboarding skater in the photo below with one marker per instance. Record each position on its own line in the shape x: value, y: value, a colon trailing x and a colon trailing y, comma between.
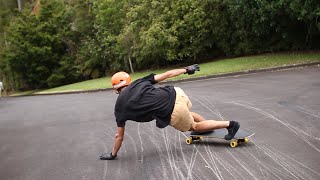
x: 142, y: 101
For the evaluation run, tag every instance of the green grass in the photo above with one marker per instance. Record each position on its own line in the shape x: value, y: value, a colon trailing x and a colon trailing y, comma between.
x: 216, y: 67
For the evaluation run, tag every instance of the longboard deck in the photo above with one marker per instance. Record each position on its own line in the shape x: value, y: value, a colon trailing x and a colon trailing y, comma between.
x: 241, y: 136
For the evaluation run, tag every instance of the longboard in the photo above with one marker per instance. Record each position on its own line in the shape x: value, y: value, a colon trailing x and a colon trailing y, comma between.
x: 241, y: 136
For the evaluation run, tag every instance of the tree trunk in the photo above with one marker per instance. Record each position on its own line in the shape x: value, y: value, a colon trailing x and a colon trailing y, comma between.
x: 195, y: 60
x: 19, y: 5
x: 129, y: 58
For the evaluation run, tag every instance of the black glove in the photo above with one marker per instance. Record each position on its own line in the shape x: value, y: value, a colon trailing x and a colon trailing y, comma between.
x: 107, y: 156
x: 192, y: 69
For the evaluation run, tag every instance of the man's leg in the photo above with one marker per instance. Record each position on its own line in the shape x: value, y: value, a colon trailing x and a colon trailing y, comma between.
x: 202, y: 125
x: 209, y: 125
x: 197, y: 117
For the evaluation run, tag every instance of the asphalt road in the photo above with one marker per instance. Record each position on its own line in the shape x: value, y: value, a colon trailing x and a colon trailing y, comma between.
x: 61, y: 136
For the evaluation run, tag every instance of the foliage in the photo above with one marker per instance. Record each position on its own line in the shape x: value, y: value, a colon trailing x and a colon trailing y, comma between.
x: 72, y: 40
x: 37, y: 44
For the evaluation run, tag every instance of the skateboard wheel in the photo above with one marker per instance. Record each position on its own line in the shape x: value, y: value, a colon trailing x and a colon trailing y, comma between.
x: 189, y: 140
x: 246, y: 140
x: 233, y: 144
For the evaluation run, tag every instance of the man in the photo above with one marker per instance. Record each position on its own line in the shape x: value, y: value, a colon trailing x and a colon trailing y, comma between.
x: 141, y: 101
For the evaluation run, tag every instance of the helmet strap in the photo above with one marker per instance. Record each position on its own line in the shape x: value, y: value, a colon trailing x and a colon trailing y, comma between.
x: 120, y: 89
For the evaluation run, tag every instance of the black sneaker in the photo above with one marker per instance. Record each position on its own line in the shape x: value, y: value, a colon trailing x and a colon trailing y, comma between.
x: 232, y: 131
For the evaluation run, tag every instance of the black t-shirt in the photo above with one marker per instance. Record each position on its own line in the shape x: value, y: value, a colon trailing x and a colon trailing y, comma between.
x: 141, y: 101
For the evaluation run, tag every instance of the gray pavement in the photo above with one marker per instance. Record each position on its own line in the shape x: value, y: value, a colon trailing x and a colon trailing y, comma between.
x: 61, y: 136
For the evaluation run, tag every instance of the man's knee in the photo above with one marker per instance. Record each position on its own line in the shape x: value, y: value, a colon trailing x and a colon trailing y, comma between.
x: 194, y: 127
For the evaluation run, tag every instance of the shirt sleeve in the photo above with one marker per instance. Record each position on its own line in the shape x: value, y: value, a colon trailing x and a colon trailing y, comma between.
x: 150, y: 78
x: 120, y: 123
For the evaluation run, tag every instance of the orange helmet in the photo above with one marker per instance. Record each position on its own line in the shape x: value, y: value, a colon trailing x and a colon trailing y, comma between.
x: 120, y: 79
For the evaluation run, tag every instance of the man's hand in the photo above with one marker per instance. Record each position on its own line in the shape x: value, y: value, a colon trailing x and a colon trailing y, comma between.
x: 107, y: 156
x: 117, y: 144
x: 192, y: 69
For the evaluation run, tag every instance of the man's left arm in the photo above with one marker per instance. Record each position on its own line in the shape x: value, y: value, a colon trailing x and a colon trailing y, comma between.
x: 176, y: 72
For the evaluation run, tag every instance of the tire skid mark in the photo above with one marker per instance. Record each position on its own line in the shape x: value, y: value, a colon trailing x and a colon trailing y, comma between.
x: 190, y: 173
x: 169, y: 154
x: 133, y: 143
x: 233, y: 171
x: 212, y: 159
x: 242, y: 165
x: 277, y: 151
x: 283, y: 161
x: 105, y: 171
x: 121, y: 165
x: 214, y: 107
x: 183, y: 157
x: 216, y: 157
x: 223, y: 164
x: 172, y: 162
x: 278, y: 120
x: 307, y: 112
x: 302, y: 110
x: 141, y: 142
x: 295, y: 129
x: 192, y: 161
x: 290, y: 127
x: 105, y: 168
x: 262, y: 164
x: 215, y: 168
x: 259, y: 163
x: 278, y: 161
x: 195, y: 154
x: 209, y: 151
x: 285, y: 157
x: 305, y: 133
x: 201, y: 103
x: 298, y: 129
x: 161, y: 155
x: 179, y: 172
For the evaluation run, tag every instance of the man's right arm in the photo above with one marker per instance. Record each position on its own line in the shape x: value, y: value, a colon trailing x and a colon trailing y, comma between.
x: 176, y: 72
x: 117, y: 145
x: 118, y: 141
x: 169, y: 74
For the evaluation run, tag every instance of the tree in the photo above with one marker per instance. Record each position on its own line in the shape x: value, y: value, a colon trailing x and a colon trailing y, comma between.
x: 71, y: 40
x: 38, y: 48
x: 103, y: 49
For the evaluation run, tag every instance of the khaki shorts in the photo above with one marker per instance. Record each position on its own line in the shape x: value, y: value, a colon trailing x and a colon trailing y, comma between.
x: 181, y: 118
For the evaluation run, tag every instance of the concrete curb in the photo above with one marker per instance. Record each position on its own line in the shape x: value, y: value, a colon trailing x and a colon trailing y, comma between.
x: 194, y: 78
